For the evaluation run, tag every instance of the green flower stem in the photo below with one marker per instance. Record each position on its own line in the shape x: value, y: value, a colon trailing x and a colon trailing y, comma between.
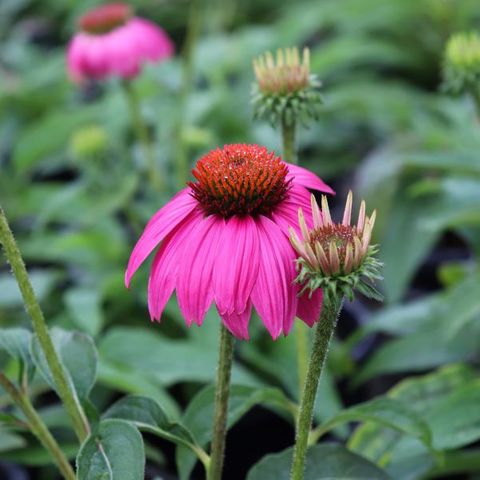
x: 288, y: 141
x: 193, y: 31
x: 68, y: 397
x: 38, y: 428
x: 222, y: 392
x: 301, y: 338
x: 475, y: 93
x: 141, y: 133
x: 323, y: 334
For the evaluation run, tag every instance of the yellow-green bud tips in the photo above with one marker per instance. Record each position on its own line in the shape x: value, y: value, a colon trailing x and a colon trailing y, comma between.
x: 287, y: 74
x: 462, y: 63
x: 285, y: 90
x: 336, y: 256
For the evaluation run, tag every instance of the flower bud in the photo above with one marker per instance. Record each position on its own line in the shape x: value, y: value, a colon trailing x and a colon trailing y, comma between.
x: 285, y: 90
x: 336, y: 257
x: 462, y: 63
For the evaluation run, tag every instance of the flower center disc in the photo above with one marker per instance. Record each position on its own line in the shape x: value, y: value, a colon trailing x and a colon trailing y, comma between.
x: 240, y: 180
x: 340, y: 235
x: 105, y: 18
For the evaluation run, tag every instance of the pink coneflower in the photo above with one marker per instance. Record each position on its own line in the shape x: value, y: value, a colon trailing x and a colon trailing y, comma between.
x: 224, y: 239
x: 113, y: 42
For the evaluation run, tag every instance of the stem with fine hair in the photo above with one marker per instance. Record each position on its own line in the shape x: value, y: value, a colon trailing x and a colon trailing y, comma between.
x: 222, y: 391
x: 141, y: 132
x: 288, y: 140
x: 323, y: 334
x: 65, y: 392
x: 38, y: 428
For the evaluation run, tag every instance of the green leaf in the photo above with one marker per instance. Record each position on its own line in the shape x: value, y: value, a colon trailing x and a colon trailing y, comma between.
x: 78, y: 355
x: 84, y: 306
x: 455, y: 421
x: 406, y: 457
x: 174, y: 360
x: 16, y: 342
x: 114, y: 452
x: 384, y: 411
x: 146, y: 414
x: 10, y: 441
x: 324, y: 462
x: 42, y: 282
x: 198, y: 417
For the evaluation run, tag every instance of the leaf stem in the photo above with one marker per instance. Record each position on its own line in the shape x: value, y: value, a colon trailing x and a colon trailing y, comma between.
x: 222, y: 392
x: 141, y: 132
x: 323, y: 334
x: 65, y: 392
x: 38, y: 428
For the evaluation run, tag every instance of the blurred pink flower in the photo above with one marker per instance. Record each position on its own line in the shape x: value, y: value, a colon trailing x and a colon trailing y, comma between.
x: 224, y: 239
x: 113, y: 42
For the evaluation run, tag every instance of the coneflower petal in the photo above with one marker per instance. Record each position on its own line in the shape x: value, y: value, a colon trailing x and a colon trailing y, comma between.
x: 306, y: 178
x: 308, y: 309
x: 236, y: 267
x: 194, y: 284
x: 237, y: 323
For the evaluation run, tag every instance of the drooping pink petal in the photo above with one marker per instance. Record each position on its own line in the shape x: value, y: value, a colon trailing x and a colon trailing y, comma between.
x: 302, y: 176
x: 308, y: 309
x: 163, y: 274
x: 274, y: 295
x: 236, y: 268
x: 237, y: 323
x: 160, y: 225
x: 286, y: 214
x: 194, y: 285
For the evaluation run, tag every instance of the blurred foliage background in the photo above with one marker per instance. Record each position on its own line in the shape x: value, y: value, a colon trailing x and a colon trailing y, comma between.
x: 72, y: 185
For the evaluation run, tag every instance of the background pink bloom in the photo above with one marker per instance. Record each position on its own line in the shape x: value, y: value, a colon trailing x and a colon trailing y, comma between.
x: 224, y: 240
x: 112, y: 42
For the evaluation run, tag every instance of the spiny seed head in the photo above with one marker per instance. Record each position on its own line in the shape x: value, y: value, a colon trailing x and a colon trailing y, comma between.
x: 462, y: 62
x: 336, y: 256
x: 105, y: 18
x: 240, y: 180
x: 285, y: 90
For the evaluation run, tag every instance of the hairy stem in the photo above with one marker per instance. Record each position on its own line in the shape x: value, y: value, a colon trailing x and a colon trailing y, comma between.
x: 38, y: 428
x: 222, y: 392
x: 323, y: 334
x: 65, y: 392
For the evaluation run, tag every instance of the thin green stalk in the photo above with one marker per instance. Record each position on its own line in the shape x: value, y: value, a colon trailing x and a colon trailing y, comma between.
x: 222, y: 392
x: 475, y: 93
x: 301, y: 339
x: 38, y: 428
x: 193, y: 31
x: 141, y: 132
x: 323, y: 334
x: 68, y: 397
x: 288, y: 141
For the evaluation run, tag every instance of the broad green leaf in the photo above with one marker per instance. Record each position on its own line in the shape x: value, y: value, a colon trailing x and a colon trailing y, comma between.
x: 198, y: 417
x: 10, y: 441
x: 16, y: 342
x: 396, y: 355
x: 114, y: 452
x: 173, y: 361
x: 84, y: 306
x: 386, y: 412
x: 78, y: 355
x: 406, y: 458
x: 42, y: 283
x: 149, y: 416
x: 324, y: 462
x: 128, y: 380
x: 455, y: 421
